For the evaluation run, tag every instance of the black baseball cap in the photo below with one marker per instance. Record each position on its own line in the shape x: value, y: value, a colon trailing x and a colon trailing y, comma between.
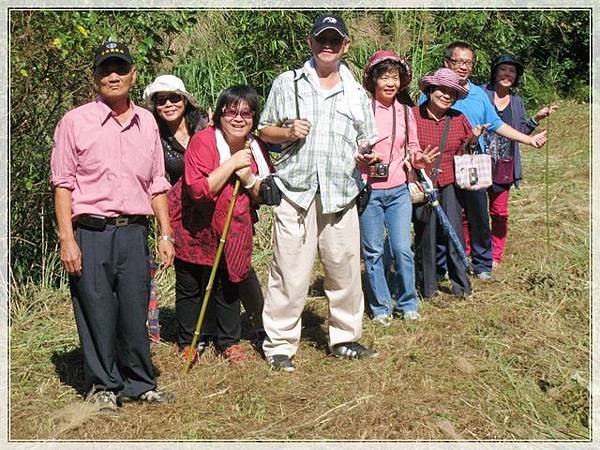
x: 112, y: 50
x: 329, y: 22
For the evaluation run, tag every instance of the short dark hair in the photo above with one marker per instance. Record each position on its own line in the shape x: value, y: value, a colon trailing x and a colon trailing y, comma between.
x: 457, y: 44
x: 233, y: 96
x: 381, y: 69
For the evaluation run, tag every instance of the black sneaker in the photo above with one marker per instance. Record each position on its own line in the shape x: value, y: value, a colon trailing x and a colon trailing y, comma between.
x: 352, y: 350
x: 281, y: 362
x: 104, y: 401
x: 152, y: 396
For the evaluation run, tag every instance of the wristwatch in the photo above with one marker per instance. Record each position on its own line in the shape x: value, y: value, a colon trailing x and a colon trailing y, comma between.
x: 166, y: 237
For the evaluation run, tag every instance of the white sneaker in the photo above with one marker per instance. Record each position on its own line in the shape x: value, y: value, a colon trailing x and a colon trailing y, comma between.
x: 411, y: 315
x: 486, y: 276
x: 384, y: 321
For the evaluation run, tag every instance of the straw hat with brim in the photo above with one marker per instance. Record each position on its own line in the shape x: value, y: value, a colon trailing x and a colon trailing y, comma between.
x: 446, y: 78
x: 382, y: 55
x: 167, y: 83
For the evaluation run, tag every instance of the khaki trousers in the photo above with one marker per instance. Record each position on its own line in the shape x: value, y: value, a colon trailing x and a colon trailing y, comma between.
x: 298, y: 235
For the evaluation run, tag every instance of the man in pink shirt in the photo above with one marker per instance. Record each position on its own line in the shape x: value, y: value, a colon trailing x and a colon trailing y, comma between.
x: 108, y: 176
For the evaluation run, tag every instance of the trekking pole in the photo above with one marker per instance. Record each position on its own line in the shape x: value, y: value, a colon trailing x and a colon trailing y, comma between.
x: 547, y: 199
x: 213, y: 272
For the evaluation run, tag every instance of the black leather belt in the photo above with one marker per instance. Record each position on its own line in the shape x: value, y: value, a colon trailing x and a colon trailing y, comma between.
x: 122, y: 221
x: 97, y: 222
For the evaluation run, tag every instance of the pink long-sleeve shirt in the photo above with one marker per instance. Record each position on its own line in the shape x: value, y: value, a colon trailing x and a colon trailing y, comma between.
x: 384, y: 120
x: 111, y: 168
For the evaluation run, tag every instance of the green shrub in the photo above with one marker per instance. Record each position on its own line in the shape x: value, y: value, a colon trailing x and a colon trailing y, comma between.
x: 51, y: 54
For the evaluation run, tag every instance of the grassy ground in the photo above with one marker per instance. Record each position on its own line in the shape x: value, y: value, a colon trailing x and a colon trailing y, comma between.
x: 512, y: 362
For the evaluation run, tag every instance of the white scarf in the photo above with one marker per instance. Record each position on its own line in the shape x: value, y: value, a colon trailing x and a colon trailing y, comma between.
x: 225, y: 153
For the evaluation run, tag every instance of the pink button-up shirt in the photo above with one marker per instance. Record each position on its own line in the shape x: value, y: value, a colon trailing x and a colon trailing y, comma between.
x: 384, y: 119
x: 111, y: 168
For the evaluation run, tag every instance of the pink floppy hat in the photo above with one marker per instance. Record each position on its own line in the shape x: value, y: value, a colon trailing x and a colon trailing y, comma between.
x: 382, y: 55
x: 444, y: 77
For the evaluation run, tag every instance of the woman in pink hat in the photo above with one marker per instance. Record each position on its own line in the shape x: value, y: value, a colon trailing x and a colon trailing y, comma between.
x: 389, y: 208
x: 435, y: 119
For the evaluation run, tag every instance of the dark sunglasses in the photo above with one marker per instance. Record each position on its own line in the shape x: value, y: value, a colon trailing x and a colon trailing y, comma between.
x: 231, y: 113
x: 334, y: 41
x: 120, y: 68
x: 172, y: 97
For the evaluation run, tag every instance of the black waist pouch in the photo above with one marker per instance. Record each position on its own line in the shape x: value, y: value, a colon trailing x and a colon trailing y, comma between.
x: 269, y: 191
x: 362, y: 199
x: 92, y: 222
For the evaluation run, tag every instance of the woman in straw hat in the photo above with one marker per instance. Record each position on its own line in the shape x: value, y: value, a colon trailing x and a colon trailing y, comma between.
x: 389, y: 208
x: 442, y: 89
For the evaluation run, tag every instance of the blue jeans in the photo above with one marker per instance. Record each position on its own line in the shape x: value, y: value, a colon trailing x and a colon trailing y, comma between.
x: 388, y: 210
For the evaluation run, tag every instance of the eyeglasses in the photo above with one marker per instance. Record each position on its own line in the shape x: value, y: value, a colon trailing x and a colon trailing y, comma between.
x: 460, y: 62
x: 333, y: 40
x: 232, y: 113
x: 172, y: 97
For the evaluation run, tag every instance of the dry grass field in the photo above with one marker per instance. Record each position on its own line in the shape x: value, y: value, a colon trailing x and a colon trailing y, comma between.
x: 510, y: 363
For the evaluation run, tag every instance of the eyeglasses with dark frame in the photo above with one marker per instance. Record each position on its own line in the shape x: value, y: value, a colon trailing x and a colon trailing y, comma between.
x: 232, y: 113
x: 459, y: 62
x: 173, y: 97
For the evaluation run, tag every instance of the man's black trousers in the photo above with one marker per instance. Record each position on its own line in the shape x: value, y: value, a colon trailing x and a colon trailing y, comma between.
x: 110, y: 300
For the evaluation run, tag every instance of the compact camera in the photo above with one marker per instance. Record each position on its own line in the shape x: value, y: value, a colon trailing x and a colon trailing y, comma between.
x: 379, y: 170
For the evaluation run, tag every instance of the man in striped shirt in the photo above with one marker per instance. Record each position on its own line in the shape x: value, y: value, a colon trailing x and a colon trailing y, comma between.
x: 318, y: 113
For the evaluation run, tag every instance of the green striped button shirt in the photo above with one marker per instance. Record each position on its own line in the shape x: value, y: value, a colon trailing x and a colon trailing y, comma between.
x: 324, y: 160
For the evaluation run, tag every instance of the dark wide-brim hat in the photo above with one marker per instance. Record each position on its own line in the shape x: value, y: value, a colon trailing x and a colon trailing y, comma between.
x: 507, y: 58
x: 444, y: 77
x: 112, y: 50
x: 383, y: 55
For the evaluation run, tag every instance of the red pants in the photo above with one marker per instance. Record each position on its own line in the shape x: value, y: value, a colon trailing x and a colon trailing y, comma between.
x: 498, y: 203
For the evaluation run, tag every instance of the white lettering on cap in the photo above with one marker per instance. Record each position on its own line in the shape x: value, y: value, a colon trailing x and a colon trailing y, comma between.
x: 330, y: 20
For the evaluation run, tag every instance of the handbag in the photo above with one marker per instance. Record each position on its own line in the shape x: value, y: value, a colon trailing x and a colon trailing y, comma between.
x: 417, y: 195
x: 473, y: 171
x: 415, y: 189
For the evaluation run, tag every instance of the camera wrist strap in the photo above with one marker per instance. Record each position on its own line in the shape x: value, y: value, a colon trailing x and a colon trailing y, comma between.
x: 393, y: 127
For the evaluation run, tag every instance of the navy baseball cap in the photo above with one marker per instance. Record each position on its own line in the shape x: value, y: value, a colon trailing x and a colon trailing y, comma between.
x: 329, y: 22
x: 112, y: 50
